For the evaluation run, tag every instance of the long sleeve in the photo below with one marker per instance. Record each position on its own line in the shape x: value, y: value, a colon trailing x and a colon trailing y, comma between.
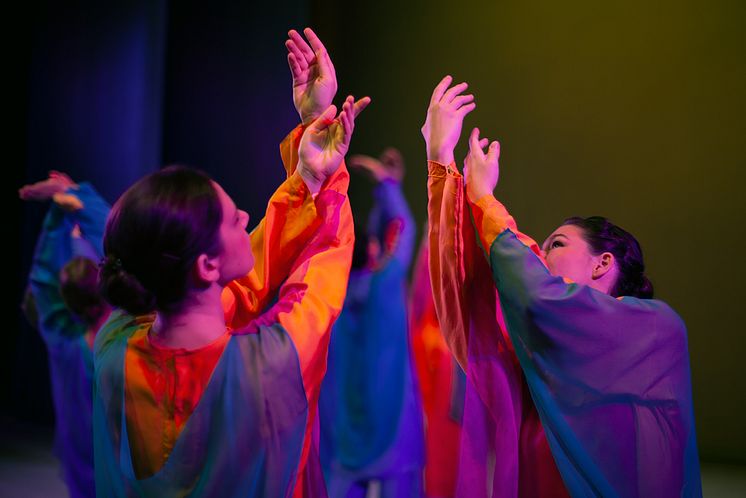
x: 463, y: 293
x: 53, y: 250
x: 447, y: 258
x: 311, y: 297
x: 496, y: 403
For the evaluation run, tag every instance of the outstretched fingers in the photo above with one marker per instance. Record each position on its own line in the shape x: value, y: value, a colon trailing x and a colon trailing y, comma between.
x: 296, y: 69
x: 440, y: 89
x: 325, y: 119
x: 360, y: 105
x: 300, y: 44
x: 347, y: 118
x: 454, y: 91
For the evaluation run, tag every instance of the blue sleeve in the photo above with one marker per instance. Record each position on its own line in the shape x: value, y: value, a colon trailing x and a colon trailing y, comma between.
x: 92, y: 218
x: 610, y: 379
x: 53, y: 250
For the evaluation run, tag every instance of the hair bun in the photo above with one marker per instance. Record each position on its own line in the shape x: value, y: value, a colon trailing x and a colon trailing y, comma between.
x: 122, y: 289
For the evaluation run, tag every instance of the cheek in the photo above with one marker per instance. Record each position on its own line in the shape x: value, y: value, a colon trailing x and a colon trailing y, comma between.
x: 554, y: 263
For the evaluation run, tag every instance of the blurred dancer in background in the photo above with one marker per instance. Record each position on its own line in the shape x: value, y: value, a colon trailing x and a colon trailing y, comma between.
x: 371, y: 421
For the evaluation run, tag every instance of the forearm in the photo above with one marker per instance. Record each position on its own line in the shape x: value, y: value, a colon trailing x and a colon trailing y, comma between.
x: 276, y: 242
x: 389, y: 198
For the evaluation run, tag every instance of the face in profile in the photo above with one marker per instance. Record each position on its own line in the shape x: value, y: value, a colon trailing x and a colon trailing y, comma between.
x: 569, y: 255
x: 236, y: 258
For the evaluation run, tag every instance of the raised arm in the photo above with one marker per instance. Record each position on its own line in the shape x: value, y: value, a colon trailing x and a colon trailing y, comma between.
x: 390, y: 219
x: 548, y: 317
x: 87, y: 213
x: 449, y: 252
x: 311, y: 297
x: 289, y: 220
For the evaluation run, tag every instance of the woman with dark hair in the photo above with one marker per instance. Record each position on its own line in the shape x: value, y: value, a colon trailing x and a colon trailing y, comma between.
x: 214, y: 393
x: 575, y: 372
x: 70, y: 310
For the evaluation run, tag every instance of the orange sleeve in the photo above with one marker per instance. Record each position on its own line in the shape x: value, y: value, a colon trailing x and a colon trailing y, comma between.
x: 451, y: 255
x: 289, y: 222
x: 463, y: 291
x: 311, y: 296
x: 491, y: 218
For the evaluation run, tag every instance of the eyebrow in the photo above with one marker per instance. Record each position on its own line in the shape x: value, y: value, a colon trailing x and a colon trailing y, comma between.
x: 553, y: 237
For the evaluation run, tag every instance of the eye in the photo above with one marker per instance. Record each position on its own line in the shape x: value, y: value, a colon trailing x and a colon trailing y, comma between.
x: 556, y: 243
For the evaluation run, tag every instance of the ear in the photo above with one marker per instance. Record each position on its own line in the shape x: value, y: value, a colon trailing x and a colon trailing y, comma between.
x: 604, y: 264
x: 207, y: 268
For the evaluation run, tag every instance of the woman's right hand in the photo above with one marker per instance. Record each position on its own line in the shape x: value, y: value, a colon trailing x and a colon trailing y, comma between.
x: 445, y: 117
x: 481, y: 171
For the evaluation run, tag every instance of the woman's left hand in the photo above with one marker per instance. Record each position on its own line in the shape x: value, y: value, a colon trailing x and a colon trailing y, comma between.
x: 481, y: 170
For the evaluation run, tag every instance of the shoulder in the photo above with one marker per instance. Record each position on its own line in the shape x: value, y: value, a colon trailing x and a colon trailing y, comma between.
x: 661, y: 314
x: 117, y: 329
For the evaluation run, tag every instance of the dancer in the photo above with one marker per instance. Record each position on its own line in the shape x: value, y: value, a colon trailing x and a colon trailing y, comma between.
x: 371, y: 421
x: 69, y: 312
x: 606, y: 365
x: 215, y: 393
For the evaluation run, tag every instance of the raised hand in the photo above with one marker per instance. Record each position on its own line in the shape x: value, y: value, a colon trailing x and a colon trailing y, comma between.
x: 314, y: 77
x: 68, y: 202
x: 481, y: 171
x: 57, y: 182
x: 326, y: 141
x: 390, y: 166
x: 445, y: 117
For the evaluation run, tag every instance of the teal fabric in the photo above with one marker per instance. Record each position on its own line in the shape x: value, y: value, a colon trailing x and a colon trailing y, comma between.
x: 244, y: 438
x: 610, y: 379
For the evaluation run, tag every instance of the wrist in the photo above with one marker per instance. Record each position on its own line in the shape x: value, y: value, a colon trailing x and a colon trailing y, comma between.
x: 307, y: 118
x: 474, y: 194
x: 312, y: 182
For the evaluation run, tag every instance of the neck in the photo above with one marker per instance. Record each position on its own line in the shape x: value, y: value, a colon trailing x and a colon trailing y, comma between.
x: 198, y: 321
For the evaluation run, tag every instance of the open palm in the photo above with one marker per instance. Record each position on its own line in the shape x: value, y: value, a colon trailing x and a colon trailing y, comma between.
x: 326, y: 141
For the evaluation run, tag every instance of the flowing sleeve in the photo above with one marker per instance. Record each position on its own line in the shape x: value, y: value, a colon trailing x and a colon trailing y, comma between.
x: 464, y: 295
x: 54, y: 249
x: 472, y: 324
x: 311, y: 296
x: 288, y: 223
